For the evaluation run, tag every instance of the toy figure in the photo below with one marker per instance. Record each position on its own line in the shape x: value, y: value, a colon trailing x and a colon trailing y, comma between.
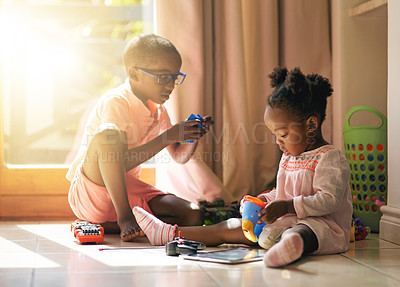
x: 251, y: 207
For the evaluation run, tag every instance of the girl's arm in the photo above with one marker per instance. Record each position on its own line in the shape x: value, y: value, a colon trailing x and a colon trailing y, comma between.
x: 331, y: 185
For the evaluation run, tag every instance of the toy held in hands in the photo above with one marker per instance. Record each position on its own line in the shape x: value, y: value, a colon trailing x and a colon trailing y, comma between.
x: 195, y: 117
x: 251, y: 207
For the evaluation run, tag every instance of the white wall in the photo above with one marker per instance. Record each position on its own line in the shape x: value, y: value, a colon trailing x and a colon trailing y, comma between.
x: 359, y: 64
x: 390, y: 221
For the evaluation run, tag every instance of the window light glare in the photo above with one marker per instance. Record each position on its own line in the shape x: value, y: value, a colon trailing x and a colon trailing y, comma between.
x: 86, y: 31
x: 31, y: 259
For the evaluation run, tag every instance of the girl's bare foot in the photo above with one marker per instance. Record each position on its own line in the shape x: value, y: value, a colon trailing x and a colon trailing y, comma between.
x: 129, y: 229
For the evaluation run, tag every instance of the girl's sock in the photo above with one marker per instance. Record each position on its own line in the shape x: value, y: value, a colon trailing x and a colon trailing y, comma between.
x: 158, y: 232
x: 287, y: 250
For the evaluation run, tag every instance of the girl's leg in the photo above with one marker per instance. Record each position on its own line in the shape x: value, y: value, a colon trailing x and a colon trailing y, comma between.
x: 160, y: 233
x: 105, y: 166
x: 295, y: 242
x: 174, y: 210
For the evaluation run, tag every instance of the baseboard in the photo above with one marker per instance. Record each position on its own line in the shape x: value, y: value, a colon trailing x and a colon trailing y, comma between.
x: 389, y: 228
x: 32, y: 195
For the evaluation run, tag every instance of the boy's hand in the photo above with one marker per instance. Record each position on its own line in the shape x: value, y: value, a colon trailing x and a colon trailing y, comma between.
x: 276, y: 209
x: 208, y: 121
x: 184, y: 131
x: 189, y: 130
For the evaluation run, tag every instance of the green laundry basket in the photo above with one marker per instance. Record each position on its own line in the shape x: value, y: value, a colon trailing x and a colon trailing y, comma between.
x: 366, y: 153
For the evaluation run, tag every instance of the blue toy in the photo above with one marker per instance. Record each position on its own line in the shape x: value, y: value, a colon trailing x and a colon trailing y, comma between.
x: 195, y: 117
x: 251, y: 207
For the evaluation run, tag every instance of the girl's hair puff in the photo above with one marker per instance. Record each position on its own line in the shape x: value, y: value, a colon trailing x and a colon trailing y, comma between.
x: 298, y: 94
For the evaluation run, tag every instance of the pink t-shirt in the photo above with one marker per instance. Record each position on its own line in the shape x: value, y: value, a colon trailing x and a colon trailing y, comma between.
x: 120, y: 107
x: 318, y: 182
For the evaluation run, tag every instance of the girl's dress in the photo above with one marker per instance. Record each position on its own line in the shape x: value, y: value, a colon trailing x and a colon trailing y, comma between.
x: 318, y: 182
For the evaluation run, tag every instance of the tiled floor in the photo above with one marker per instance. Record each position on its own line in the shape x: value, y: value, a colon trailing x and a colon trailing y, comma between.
x: 46, y: 254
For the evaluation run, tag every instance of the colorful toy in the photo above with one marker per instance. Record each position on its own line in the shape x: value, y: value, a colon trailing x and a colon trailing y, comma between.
x: 194, y: 117
x: 358, y: 230
x: 87, y: 232
x: 251, y: 207
x: 218, y: 211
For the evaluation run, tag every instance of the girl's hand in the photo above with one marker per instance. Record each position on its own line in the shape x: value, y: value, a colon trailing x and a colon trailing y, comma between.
x: 276, y: 209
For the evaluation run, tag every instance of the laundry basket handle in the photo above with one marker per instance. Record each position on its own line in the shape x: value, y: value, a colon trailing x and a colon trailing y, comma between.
x: 355, y: 109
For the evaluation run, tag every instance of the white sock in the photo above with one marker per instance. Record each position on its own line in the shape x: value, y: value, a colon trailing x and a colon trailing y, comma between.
x: 286, y: 251
x: 158, y: 232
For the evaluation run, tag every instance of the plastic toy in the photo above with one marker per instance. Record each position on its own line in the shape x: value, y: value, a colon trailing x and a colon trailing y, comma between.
x: 180, y: 245
x: 358, y: 230
x: 251, y: 207
x: 194, y: 117
x: 87, y: 232
x: 218, y: 211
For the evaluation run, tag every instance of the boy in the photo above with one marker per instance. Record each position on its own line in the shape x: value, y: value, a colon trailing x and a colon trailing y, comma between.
x: 128, y: 126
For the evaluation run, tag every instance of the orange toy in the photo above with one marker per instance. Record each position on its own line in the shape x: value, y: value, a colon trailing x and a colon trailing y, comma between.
x: 87, y: 232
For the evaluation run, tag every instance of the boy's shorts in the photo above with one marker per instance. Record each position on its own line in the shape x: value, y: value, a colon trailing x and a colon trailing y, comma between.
x: 92, y: 202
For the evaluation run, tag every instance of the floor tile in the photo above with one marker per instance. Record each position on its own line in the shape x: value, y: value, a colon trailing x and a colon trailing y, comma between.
x: 372, y: 241
x: 112, y: 279
x: 311, y: 271
x: 47, y: 254
x: 16, y: 278
x: 375, y: 257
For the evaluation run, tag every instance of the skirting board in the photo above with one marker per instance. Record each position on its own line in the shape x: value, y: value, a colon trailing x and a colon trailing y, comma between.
x: 389, y: 226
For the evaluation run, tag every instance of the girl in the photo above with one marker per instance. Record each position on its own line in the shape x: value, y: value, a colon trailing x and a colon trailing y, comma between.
x: 310, y: 210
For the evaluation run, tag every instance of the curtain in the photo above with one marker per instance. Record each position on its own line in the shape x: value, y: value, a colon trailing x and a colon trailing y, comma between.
x: 228, y: 49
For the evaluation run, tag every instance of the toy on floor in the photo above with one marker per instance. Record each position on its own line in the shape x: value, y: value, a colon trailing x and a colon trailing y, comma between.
x: 87, y: 232
x: 251, y: 207
x: 180, y: 245
x: 195, y: 117
x: 358, y: 230
x: 217, y: 211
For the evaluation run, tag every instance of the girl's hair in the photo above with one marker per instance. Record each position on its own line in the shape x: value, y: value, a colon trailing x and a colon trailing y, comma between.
x: 145, y: 48
x: 298, y: 94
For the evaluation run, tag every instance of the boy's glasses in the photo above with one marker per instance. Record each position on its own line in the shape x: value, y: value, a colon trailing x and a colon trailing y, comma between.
x: 164, y: 79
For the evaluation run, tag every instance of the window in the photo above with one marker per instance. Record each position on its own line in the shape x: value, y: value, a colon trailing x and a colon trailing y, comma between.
x: 57, y: 58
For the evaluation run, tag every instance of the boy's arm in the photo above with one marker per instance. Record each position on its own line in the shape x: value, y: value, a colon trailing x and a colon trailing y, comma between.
x: 182, y: 152
x: 140, y: 154
x: 171, y: 139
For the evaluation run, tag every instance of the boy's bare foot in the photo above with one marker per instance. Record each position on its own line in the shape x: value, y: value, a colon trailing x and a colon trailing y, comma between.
x: 129, y: 229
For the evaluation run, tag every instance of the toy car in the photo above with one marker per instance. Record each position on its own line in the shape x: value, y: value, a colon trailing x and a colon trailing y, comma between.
x: 87, y: 232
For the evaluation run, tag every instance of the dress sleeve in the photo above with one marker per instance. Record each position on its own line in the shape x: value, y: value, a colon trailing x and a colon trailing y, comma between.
x: 268, y: 195
x: 329, y: 186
